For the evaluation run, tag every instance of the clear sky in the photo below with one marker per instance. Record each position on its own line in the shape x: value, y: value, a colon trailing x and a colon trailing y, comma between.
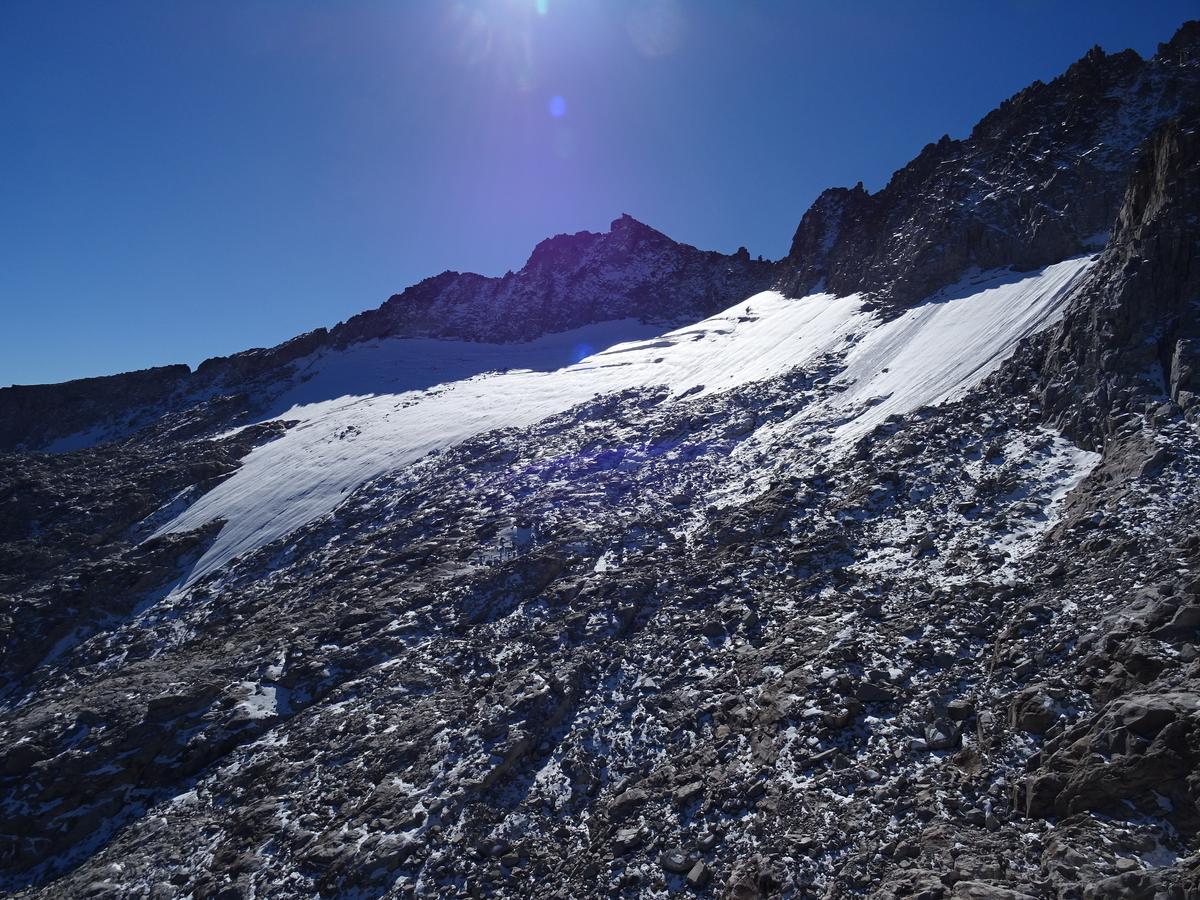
x: 187, y: 178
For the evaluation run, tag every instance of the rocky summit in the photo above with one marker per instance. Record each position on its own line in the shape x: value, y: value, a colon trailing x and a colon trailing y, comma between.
x: 647, y: 571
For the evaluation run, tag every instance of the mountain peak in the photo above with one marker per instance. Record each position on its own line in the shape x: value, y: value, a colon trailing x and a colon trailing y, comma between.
x: 1184, y: 45
x: 961, y: 204
x: 569, y: 280
x: 627, y: 223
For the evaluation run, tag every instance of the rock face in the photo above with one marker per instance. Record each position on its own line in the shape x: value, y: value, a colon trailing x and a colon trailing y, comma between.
x: 1038, y: 180
x: 1132, y: 335
x: 630, y: 271
x: 657, y: 643
x: 90, y: 411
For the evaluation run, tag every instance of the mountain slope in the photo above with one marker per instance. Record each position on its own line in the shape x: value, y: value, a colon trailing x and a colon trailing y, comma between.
x: 813, y: 595
x: 374, y: 425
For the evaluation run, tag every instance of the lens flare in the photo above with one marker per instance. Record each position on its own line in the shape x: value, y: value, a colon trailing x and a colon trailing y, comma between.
x: 557, y: 106
x: 496, y: 36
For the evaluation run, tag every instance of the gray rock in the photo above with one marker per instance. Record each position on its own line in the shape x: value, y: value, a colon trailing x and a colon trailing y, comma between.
x: 699, y: 875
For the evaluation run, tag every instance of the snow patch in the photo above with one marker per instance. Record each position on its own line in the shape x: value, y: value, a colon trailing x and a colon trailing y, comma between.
x: 259, y: 703
x: 373, y: 407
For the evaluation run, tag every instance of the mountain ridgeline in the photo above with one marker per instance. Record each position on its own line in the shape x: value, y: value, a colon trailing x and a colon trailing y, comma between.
x: 873, y: 571
x: 1040, y: 179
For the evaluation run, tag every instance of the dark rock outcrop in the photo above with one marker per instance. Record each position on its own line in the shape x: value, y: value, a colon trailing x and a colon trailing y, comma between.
x: 1039, y: 179
x: 1132, y: 333
x: 630, y: 271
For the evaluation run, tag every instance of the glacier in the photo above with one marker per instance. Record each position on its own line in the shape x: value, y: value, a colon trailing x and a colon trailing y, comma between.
x: 370, y: 408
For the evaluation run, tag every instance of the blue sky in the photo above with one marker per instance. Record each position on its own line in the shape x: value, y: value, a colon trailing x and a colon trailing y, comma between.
x: 190, y: 178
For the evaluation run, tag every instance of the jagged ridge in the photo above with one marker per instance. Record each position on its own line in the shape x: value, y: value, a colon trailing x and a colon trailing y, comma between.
x: 631, y: 271
x: 1039, y: 179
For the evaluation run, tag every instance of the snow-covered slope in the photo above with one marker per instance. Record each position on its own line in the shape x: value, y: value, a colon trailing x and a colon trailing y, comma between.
x: 939, y: 349
x: 376, y: 406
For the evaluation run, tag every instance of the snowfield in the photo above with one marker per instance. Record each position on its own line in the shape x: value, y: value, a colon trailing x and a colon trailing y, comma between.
x: 376, y: 406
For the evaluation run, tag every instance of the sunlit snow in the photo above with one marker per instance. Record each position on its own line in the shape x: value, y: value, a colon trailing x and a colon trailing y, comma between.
x: 376, y: 406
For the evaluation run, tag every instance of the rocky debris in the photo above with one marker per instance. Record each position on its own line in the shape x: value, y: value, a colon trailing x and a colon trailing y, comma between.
x: 75, y: 548
x: 497, y: 708
x: 981, y: 890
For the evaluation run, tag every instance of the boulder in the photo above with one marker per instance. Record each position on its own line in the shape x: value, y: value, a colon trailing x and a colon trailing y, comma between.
x: 675, y: 860
x: 626, y: 802
x: 1035, y: 709
x: 942, y: 734
x: 699, y: 875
